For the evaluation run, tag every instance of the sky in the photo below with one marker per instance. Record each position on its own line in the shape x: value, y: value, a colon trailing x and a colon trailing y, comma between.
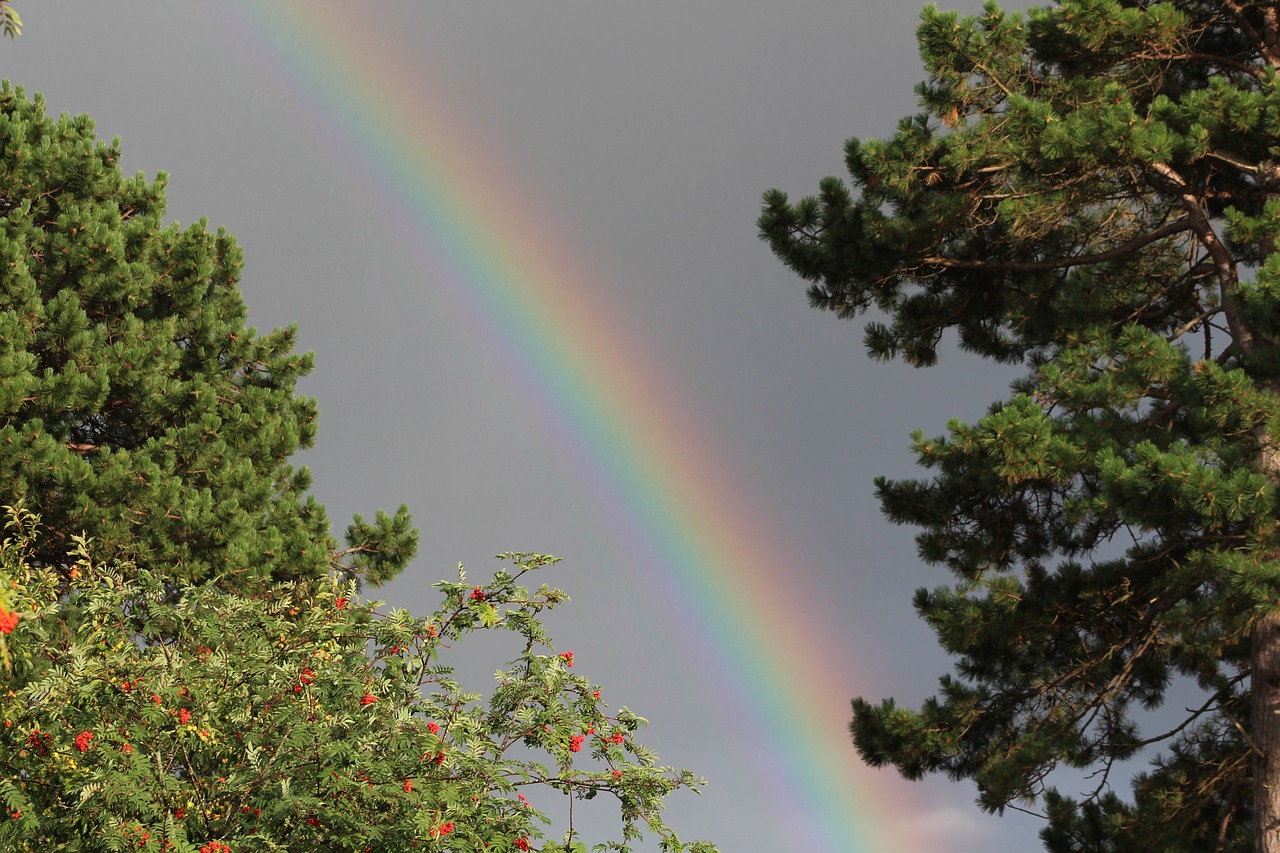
x: 520, y: 239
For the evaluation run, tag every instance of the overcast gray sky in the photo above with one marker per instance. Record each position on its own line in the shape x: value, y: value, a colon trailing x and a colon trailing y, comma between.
x: 616, y: 154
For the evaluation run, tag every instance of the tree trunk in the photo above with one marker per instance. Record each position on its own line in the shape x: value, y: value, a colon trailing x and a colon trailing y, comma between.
x: 1265, y: 684
x: 1265, y: 651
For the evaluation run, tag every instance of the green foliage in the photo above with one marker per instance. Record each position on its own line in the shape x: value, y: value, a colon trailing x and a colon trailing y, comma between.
x: 144, y: 714
x: 135, y: 404
x: 1090, y: 191
x: 10, y: 23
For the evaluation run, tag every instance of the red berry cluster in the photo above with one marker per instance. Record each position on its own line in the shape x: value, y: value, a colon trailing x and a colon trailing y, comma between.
x: 40, y: 742
x: 568, y: 658
x: 8, y: 621
x: 341, y: 603
x: 215, y: 847
x: 443, y: 829
x: 522, y: 844
x: 183, y: 716
x: 408, y: 786
x: 83, y: 739
x: 477, y: 594
x: 575, y: 743
x: 307, y: 676
x: 433, y: 727
x: 368, y: 699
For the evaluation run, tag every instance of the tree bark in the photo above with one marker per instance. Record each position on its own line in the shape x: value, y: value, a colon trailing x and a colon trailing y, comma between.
x: 1265, y: 684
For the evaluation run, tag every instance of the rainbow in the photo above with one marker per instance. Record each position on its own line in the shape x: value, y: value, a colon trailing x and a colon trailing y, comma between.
x: 477, y: 226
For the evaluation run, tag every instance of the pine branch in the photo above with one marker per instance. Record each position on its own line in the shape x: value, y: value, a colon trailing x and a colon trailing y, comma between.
x: 1121, y: 251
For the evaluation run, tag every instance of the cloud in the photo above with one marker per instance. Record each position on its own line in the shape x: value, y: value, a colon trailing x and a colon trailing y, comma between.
x: 955, y: 828
x: 961, y: 827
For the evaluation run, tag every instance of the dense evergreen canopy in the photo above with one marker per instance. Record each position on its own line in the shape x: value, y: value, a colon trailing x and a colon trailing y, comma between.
x: 136, y: 406
x: 1092, y: 191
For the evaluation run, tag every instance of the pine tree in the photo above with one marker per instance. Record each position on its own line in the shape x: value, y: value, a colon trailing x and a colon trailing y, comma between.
x: 136, y: 406
x: 1092, y: 191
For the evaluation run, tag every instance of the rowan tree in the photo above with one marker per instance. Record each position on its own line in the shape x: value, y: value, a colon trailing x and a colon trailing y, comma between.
x: 1092, y: 191
x: 145, y: 715
x: 136, y: 405
x: 10, y: 21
